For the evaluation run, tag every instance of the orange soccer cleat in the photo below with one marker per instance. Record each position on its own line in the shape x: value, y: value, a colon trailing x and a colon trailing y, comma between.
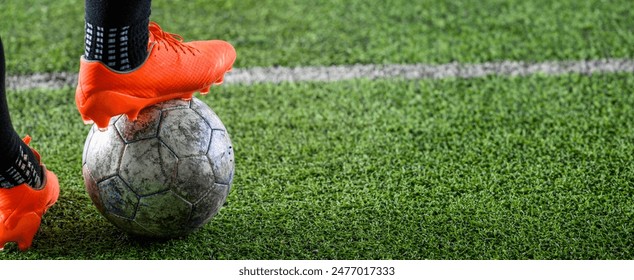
x: 173, y: 69
x: 22, y: 207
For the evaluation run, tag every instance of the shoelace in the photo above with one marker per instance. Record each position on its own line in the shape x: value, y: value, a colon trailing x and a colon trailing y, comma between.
x: 168, y: 40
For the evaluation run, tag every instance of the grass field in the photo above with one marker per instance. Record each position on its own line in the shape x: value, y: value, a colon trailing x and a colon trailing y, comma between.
x: 497, y: 167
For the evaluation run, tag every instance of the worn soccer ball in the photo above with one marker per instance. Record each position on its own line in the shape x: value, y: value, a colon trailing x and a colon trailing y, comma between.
x: 163, y: 175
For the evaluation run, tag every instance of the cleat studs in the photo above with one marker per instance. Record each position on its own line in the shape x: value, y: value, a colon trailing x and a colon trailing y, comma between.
x: 205, y: 90
x: 187, y: 97
x: 132, y: 115
x: 102, y: 124
x: 89, y: 122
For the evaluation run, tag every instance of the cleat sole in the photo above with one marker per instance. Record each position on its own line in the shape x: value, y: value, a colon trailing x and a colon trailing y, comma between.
x: 95, y: 110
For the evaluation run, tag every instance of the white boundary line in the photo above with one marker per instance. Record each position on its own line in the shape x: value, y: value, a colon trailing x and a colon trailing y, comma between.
x: 395, y: 71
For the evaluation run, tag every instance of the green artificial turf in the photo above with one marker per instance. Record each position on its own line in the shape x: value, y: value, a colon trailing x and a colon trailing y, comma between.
x: 536, y: 167
x: 533, y: 167
x: 47, y: 36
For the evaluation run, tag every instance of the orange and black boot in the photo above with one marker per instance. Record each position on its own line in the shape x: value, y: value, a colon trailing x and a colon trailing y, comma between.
x: 173, y: 69
x: 22, y: 207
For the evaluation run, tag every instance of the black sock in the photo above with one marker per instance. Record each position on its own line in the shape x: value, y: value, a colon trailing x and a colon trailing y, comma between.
x: 117, y: 32
x: 18, y: 164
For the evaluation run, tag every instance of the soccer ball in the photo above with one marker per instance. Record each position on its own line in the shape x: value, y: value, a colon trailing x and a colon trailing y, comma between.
x: 163, y: 175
